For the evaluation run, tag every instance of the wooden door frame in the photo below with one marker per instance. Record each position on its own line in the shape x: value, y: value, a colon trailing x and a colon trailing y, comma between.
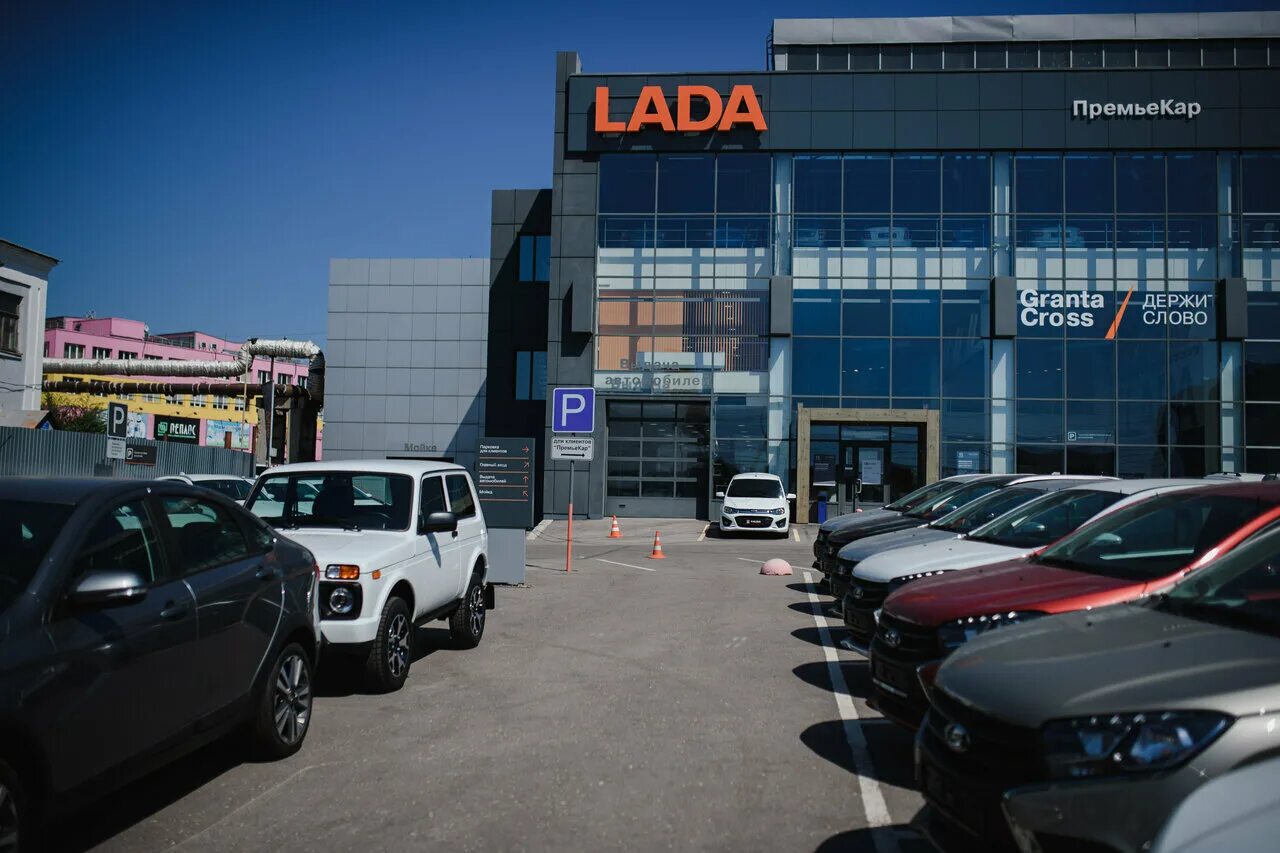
x: 930, y: 419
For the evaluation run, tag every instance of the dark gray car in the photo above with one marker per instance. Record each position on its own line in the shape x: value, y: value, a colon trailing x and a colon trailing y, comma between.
x: 1089, y: 728
x: 139, y: 620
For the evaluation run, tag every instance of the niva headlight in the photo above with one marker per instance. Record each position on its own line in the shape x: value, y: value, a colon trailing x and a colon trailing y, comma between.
x: 897, y: 583
x: 955, y: 634
x: 1105, y: 745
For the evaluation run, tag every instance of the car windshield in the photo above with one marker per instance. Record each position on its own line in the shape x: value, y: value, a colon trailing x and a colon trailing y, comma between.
x: 951, y: 501
x: 934, y: 490
x: 27, y: 530
x: 1152, y: 538
x: 345, y: 499
x: 753, y: 488
x: 1241, y: 590
x: 984, y: 509
x: 231, y: 487
x: 1048, y: 518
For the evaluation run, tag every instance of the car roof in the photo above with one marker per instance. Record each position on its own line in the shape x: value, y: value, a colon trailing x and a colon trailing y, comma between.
x: 1132, y: 487
x: 61, y: 490
x: 1060, y: 480
x: 415, y: 467
x: 754, y: 477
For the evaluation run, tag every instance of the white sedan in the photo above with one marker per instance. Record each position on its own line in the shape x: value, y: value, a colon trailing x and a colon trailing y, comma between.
x: 755, y: 503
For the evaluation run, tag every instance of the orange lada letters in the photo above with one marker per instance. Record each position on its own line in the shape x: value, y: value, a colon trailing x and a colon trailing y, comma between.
x: 652, y: 110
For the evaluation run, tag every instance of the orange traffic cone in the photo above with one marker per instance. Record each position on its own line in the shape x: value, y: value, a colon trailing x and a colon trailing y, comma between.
x: 657, y: 547
x: 614, y: 532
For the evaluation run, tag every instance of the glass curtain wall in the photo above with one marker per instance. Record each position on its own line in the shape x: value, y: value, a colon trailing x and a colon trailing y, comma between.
x: 1259, y: 238
x: 892, y: 261
x: 682, y: 273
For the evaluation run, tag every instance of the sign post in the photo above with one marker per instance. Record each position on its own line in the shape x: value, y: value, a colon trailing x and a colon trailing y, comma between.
x: 117, y: 429
x: 505, y: 482
x: 572, y: 410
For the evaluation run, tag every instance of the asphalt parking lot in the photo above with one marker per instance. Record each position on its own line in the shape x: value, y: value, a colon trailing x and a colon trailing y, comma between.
x: 633, y: 704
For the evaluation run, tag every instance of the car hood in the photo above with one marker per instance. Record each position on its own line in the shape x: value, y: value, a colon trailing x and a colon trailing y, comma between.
x: 866, y: 547
x: 755, y: 503
x: 946, y: 555
x: 1124, y: 658
x: 855, y: 520
x: 368, y: 549
x: 885, y: 524
x: 1011, y: 585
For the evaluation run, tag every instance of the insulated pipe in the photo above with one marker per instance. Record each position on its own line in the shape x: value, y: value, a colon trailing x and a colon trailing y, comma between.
x: 238, y: 366
x: 103, y: 388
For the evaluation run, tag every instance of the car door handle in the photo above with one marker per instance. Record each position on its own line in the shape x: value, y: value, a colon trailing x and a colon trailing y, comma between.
x: 455, y: 534
x: 172, y: 611
x: 266, y: 573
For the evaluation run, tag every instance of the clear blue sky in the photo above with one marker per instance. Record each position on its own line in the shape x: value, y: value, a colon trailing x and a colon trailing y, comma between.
x: 196, y: 164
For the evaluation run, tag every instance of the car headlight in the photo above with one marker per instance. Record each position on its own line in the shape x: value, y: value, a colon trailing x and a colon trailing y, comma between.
x: 845, y: 567
x: 341, y: 601
x: 342, y: 572
x: 1124, y: 743
x: 955, y: 634
x: 731, y: 509
x: 777, y: 512
x: 896, y: 583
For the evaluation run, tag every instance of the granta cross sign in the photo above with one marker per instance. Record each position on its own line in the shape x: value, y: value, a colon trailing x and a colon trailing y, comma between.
x: 652, y: 110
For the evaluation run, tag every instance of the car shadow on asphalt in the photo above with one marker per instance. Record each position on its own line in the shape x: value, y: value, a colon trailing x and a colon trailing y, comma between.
x: 827, y: 740
x: 906, y: 838
x: 341, y: 676
x: 856, y: 676
x: 809, y: 635
x: 105, y: 818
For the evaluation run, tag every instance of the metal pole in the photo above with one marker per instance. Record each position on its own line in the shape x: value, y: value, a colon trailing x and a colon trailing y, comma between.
x: 270, y: 413
x: 568, y: 547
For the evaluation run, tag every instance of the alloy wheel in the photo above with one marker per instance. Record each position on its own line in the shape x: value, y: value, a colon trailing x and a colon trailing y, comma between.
x: 8, y: 820
x: 398, y: 645
x: 476, y: 606
x: 292, y: 700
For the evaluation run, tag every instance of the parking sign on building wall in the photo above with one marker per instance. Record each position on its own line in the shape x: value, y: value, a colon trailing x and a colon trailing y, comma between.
x: 573, y: 410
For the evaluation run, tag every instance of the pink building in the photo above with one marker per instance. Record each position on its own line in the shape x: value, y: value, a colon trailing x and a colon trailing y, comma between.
x: 226, y: 419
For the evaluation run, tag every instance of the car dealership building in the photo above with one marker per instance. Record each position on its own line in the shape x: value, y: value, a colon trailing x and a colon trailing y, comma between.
x: 913, y: 247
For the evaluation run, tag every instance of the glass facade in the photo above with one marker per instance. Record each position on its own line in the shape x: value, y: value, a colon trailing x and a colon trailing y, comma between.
x: 1116, y: 366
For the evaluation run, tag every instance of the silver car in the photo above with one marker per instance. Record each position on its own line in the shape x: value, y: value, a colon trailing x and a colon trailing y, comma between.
x: 1089, y: 728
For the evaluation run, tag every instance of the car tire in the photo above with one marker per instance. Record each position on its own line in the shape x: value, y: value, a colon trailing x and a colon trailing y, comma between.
x: 388, y: 664
x: 18, y: 820
x: 284, y: 705
x: 466, y: 624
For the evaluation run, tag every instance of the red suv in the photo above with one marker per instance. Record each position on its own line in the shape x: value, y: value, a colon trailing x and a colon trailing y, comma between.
x: 1118, y: 557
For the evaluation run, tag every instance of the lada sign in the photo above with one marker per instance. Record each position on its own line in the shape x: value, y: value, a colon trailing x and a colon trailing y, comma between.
x: 742, y: 107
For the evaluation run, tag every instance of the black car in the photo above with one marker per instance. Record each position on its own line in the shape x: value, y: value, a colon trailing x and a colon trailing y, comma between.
x: 138, y: 621
x: 841, y: 571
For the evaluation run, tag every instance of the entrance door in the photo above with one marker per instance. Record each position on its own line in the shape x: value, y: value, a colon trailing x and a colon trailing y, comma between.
x: 657, y: 454
x: 882, y: 461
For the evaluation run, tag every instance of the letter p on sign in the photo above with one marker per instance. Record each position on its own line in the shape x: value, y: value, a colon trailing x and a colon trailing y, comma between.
x: 573, y: 410
x: 117, y: 420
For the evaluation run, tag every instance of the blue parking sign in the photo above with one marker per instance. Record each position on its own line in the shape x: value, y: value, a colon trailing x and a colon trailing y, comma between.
x: 573, y: 410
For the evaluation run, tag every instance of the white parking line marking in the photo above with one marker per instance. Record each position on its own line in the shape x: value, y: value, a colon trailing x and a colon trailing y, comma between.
x: 795, y: 531
x: 746, y: 559
x: 628, y: 565
x: 873, y: 803
x: 703, y: 534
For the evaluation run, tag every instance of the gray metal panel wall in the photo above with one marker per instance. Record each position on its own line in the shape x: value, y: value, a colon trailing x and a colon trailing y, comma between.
x: 1004, y: 307
x: 1233, y: 309
x: 571, y: 312
x: 780, y: 309
x: 406, y: 357
x: 49, y: 453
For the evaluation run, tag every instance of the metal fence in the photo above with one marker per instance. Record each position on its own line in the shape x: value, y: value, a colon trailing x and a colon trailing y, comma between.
x: 49, y: 453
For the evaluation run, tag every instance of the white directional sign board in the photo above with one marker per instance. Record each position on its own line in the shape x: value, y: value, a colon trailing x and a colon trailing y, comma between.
x: 580, y: 449
x: 115, y: 448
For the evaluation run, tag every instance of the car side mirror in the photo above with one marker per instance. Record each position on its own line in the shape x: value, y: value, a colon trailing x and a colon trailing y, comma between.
x: 108, y: 589
x: 720, y: 495
x: 791, y: 496
x: 438, y: 522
